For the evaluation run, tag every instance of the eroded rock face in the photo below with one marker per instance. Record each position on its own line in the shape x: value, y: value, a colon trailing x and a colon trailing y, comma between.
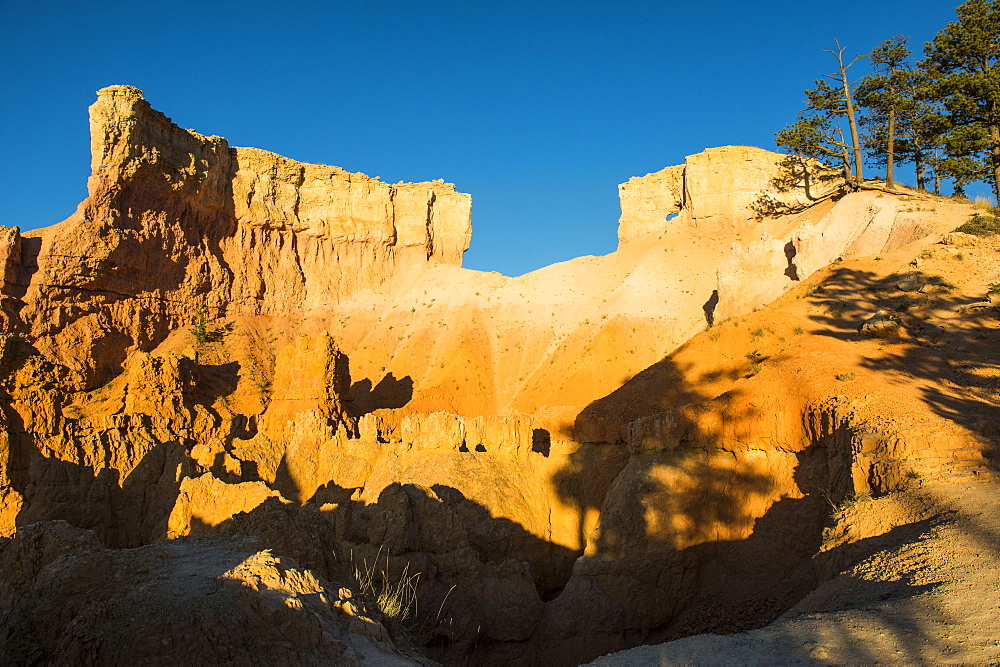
x: 176, y: 221
x: 717, y: 190
x: 352, y: 396
x: 10, y: 265
x: 782, y: 235
x: 647, y: 201
x: 65, y: 597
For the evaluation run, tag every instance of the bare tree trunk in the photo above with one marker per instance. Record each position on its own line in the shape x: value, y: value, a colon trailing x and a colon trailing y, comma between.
x: 848, y: 174
x: 806, y: 179
x: 851, y: 119
x: 890, y: 149
x: 855, y: 143
x: 918, y: 166
x: 937, y: 184
x: 995, y: 159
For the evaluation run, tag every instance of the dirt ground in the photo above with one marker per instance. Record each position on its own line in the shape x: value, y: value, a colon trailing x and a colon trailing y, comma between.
x: 911, y: 577
x: 930, y: 594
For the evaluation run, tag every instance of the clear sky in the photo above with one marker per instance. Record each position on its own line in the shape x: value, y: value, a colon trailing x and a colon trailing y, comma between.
x: 538, y: 109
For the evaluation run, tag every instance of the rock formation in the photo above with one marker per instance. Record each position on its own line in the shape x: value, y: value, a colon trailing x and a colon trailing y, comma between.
x: 176, y: 221
x: 276, y: 378
x: 717, y: 190
x: 199, y: 600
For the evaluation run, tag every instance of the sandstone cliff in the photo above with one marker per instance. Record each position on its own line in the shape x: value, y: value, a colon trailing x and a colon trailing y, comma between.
x: 781, y: 230
x: 717, y: 190
x: 568, y: 459
x: 176, y: 221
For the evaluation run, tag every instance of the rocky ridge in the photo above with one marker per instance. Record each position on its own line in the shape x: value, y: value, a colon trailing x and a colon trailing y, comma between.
x: 176, y: 221
x: 564, y: 479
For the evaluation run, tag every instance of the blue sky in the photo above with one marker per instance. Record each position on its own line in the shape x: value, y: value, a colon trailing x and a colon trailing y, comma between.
x: 538, y: 109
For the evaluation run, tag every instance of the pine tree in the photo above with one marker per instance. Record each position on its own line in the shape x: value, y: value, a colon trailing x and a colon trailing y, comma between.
x: 848, y: 106
x: 808, y: 143
x: 963, y: 63
x: 818, y: 132
x: 923, y: 141
x: 888, y: 102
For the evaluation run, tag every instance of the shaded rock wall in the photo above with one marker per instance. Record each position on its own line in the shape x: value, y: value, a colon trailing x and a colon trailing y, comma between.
x: 65, y: 597
x: 538, y: 551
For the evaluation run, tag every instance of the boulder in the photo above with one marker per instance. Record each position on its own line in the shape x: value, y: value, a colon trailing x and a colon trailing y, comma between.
x: 880, y: 325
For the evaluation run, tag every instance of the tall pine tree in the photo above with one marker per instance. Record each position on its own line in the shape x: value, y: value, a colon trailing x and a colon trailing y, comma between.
x: 963, y: 62
x: 886, y: 97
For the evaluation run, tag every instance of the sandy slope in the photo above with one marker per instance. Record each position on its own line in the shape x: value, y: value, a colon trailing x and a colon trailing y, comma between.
x: 912, y: 576
x: 480, y: 343
x: 930, y: 595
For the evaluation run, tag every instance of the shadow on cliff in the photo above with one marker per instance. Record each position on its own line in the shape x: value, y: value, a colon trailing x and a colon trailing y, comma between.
x: 140, y: 257
x: 479, y: 580
x: 887, y: 604
x: 390, y: 392
x: 954, y: 358
x: 204, y: 384
x: 700, y: 531
x: 12, y: 296
x: 665, y: 559
x: 122, y: 513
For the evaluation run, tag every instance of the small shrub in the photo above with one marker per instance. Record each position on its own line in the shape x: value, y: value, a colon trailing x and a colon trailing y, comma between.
x: 835, y: 311
x: 846, y: 377
x: 799, y: 331
x: 395, y: 599
x: 995, y: 287
x: 199, y: 330
x: 837, y: 511
x: 982, y: 224
x: 758, y: 333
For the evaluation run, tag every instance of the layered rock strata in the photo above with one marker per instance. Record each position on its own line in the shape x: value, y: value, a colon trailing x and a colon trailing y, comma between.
x: 175, y: 222
x: 784, y: 231
x: 227, y: 343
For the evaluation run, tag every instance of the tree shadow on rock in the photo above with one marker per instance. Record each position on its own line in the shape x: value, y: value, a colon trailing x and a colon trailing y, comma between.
x: 954, y: 359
